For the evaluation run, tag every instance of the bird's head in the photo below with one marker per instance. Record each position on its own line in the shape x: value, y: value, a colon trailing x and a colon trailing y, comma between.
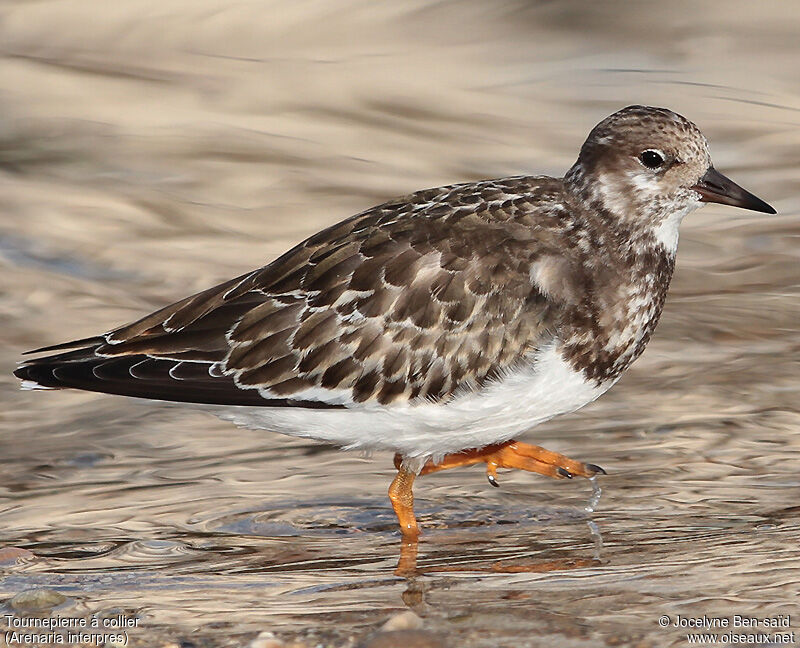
x: 649, y: 167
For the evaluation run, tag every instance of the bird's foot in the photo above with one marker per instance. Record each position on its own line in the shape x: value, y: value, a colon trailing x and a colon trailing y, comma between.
x: 515, y: 454
x: 512, y: 454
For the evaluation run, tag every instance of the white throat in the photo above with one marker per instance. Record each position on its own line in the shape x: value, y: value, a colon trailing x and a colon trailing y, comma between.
x: 667, y: 231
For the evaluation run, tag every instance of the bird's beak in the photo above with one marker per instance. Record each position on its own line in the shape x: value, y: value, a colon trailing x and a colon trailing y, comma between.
x: 716, y: 188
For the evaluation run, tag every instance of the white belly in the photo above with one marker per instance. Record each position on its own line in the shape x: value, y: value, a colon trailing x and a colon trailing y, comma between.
x: 542, y: 389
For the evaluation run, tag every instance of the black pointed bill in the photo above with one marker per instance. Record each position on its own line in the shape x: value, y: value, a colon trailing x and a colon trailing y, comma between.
x: 714, y: 187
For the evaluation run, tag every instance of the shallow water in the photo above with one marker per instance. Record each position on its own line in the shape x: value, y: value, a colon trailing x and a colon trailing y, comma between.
x: 151, y: 149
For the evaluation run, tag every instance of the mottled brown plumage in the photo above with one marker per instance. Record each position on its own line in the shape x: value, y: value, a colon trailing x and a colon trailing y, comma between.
x: 439, y: 325
x: 425, y: 297
x: 417, y: 298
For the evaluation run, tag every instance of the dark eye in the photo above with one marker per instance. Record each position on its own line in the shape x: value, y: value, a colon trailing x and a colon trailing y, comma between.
x: 652, y: 159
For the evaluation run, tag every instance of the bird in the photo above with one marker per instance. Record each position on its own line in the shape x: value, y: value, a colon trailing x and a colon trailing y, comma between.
x: 440, y: 325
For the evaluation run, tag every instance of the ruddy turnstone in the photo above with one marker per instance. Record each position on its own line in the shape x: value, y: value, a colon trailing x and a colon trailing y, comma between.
x: 440, y: 325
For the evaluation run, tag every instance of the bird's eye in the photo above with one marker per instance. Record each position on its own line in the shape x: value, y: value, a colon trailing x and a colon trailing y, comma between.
x: 651, y: 158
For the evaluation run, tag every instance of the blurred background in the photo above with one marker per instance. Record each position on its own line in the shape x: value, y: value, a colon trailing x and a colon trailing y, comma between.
x: 151, y: 149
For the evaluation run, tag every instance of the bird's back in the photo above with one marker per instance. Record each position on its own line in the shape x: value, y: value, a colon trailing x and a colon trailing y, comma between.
x: 418, y: 299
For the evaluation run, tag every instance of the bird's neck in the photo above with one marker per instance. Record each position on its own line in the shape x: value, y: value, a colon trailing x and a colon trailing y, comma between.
x: 628, y: 273
x: 632, y: 217
x: 622, y: 216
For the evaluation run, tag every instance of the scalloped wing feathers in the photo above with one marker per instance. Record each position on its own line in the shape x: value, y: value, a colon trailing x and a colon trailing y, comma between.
x: 424, y: 297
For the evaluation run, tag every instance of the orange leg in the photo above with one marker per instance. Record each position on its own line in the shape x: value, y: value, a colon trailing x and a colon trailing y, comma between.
x: 512, y: 454
x: 402, y: 496
x: 515, y: 454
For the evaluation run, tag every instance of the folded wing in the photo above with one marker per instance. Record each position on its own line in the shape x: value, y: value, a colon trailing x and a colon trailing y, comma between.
x: 421, y: 298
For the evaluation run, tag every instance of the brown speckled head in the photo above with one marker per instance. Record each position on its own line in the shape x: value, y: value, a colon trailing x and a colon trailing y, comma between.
x: 641, y: 164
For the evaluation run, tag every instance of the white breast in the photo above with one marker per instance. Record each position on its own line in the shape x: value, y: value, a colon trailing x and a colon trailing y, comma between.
x: 525, y: 397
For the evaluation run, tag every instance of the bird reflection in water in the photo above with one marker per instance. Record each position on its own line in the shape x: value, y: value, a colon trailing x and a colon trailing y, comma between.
x: 418, y: 585
x: 408, y: 567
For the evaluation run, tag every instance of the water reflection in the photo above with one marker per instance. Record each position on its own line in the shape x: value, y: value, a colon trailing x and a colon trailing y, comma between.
x: 516, y: 563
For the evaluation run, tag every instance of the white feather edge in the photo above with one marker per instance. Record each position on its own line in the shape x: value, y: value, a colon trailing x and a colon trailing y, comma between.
x: 32, y: 385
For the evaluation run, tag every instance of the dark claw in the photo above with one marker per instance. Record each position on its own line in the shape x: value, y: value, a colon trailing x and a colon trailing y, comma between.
x: 564, y: 472
x: 596, y: 469
x: 493, y: 481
